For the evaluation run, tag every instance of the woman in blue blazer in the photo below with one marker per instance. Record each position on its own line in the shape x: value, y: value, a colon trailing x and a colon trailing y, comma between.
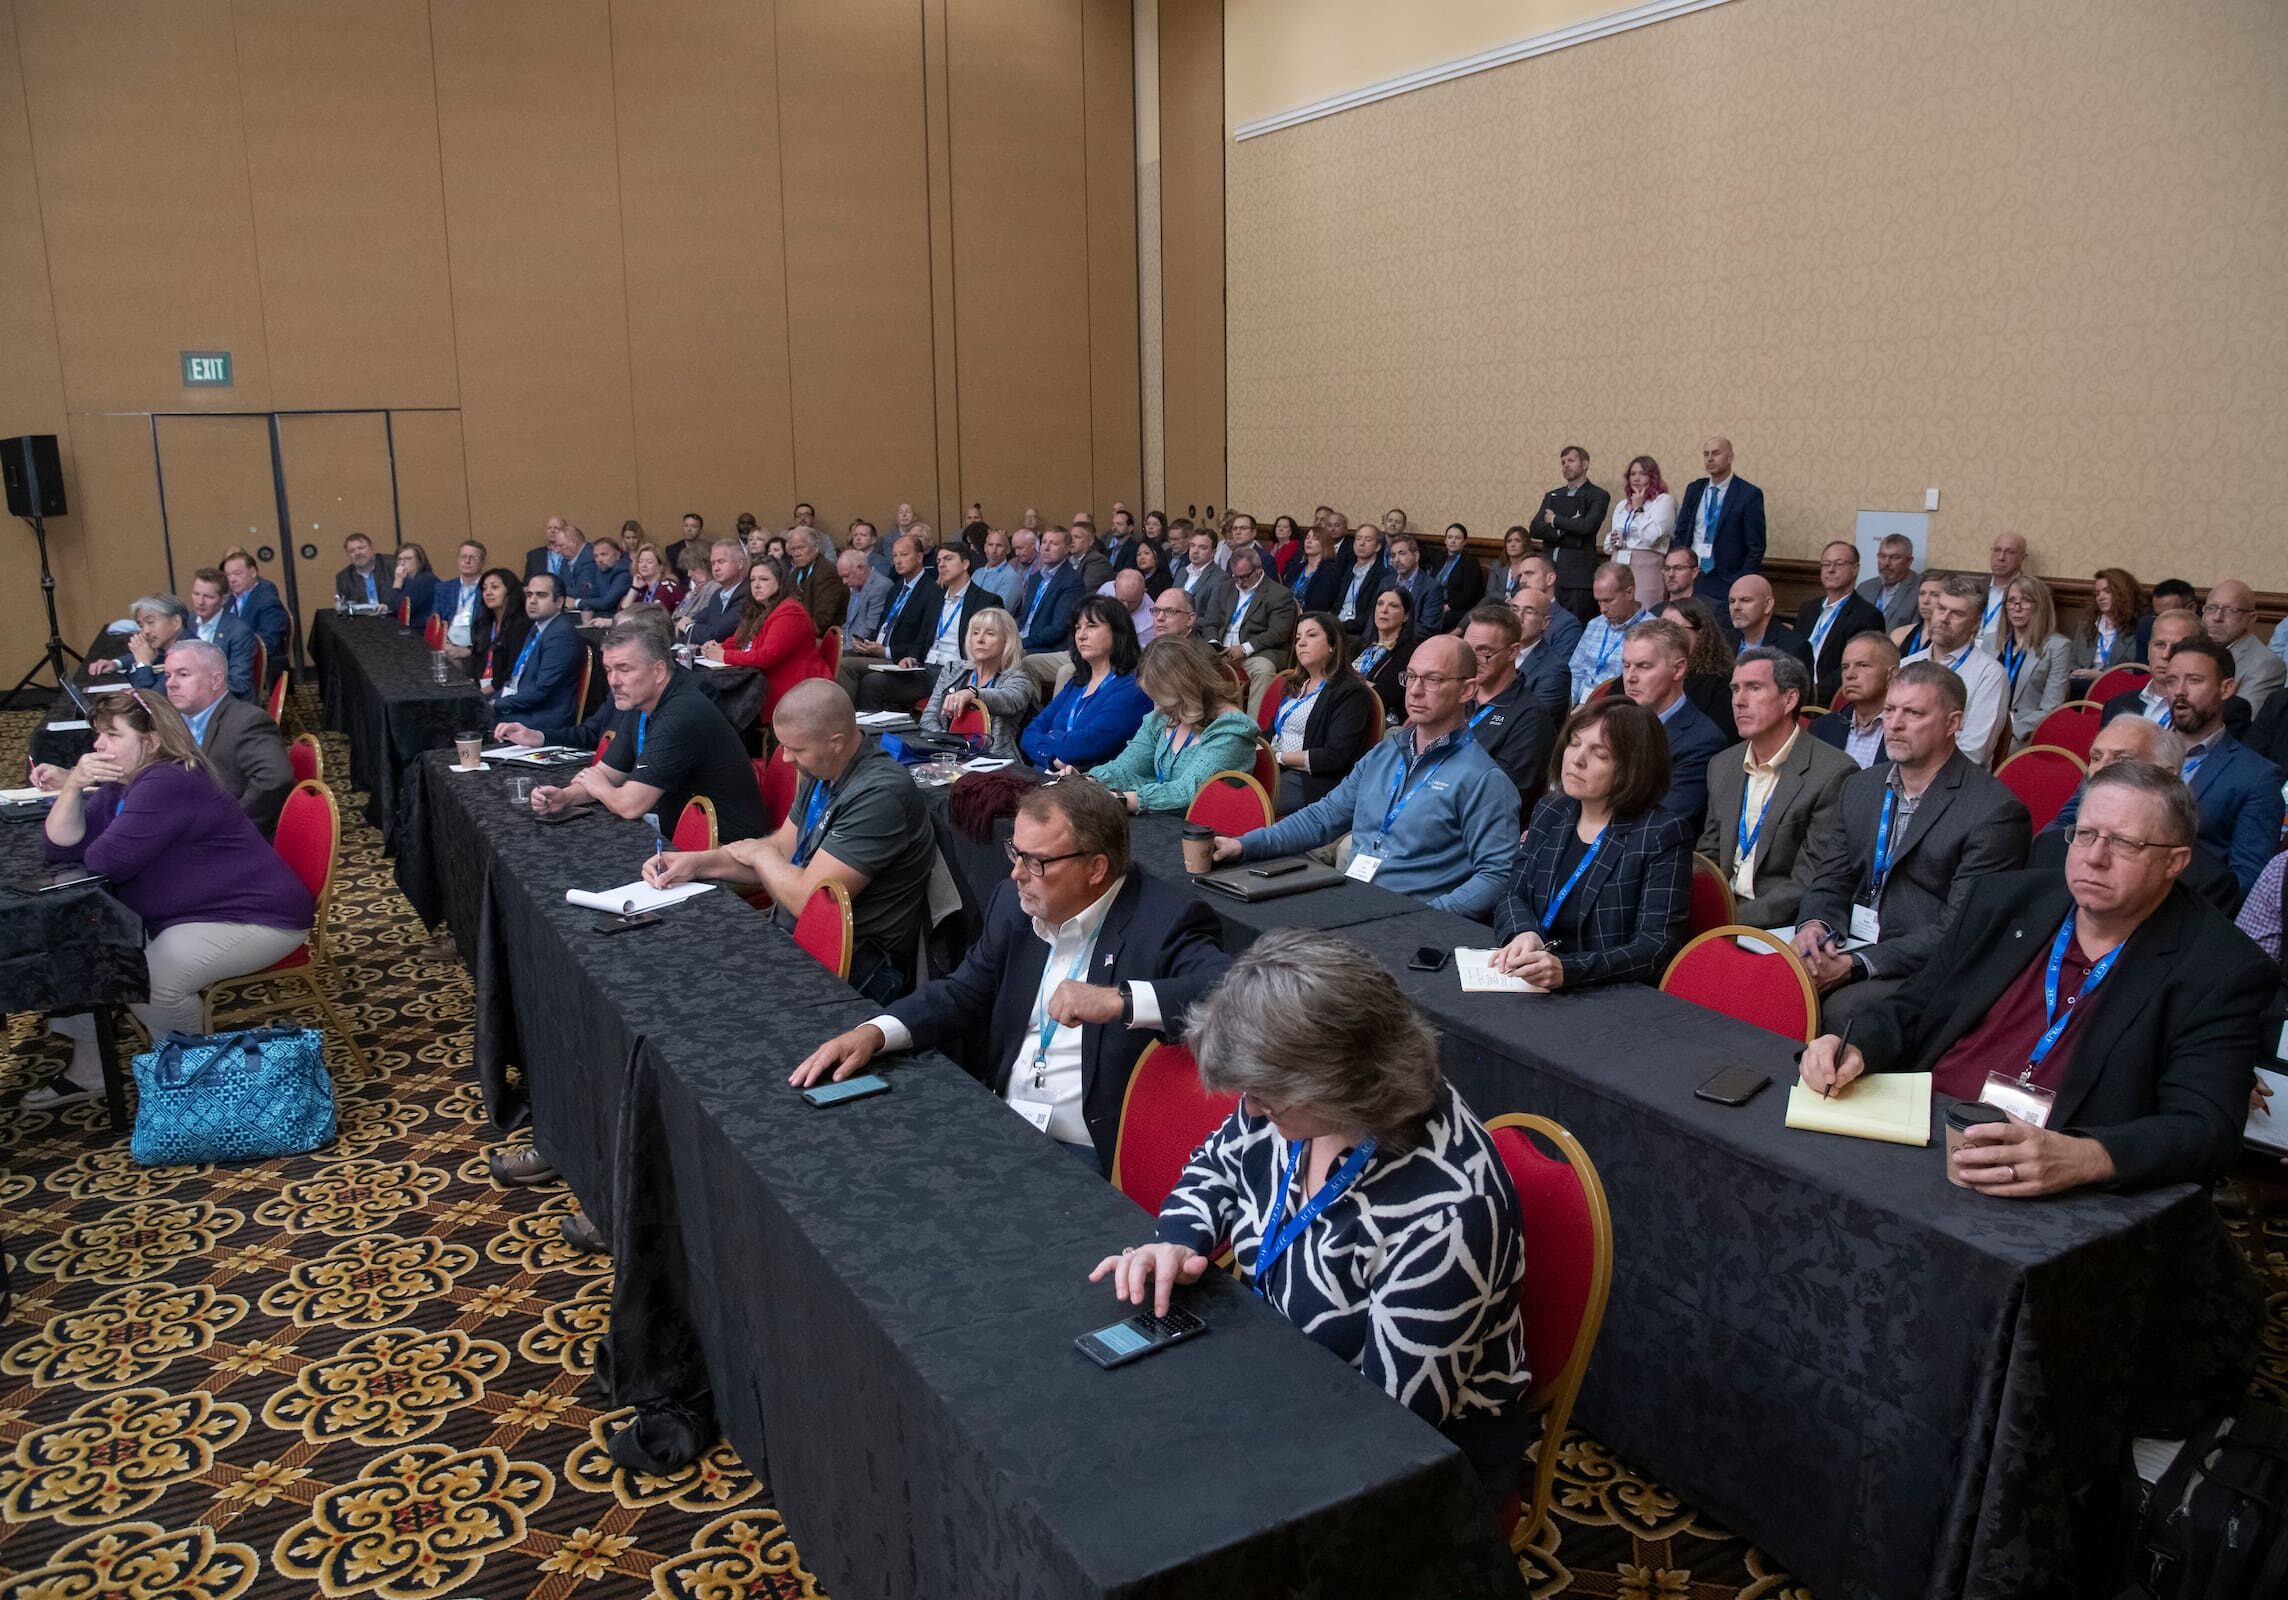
x: 1100, y: 708
x: 1603, y: 889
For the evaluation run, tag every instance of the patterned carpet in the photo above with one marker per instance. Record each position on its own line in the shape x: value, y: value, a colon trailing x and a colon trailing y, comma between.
x: 364, y: 1371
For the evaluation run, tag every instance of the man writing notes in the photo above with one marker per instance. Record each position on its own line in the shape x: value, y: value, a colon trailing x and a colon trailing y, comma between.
x: 1083, y: 962
x: 1766, y: 792
x: 2112, y: 1015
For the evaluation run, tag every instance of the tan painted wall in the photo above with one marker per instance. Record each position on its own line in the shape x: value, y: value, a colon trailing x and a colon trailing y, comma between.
x: 606, y: 257
x: 2035, y: 255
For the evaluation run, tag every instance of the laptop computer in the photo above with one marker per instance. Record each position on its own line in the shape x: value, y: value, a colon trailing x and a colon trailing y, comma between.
x: 1269, y: 880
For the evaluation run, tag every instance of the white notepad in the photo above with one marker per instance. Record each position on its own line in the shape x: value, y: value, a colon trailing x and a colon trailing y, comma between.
x: 2268, y: 1129
x: 629, y: 898
x: 107, y: 688
x: 1475, y: 968
x: 18, y: 797
x: 1891, y: 1106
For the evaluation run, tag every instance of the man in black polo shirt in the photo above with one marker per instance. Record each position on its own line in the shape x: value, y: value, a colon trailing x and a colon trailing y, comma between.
x: 1506, y: 716
x: 679, y: 746
x: 857, y: 820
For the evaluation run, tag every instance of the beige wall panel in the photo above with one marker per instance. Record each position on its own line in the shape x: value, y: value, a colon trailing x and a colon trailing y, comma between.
x: 1020, y: 256
x: 706, y: 276
x: 1115, y: 385
x: 857, y: 255
x: 349, y: 210
x: 31, y: 372
x: 135, y: 124
x: 433, y: 486
x: 215, y: 473
x: 937, y: 140
x: 118, y: 548
x: 337, y: 483
x: 1192, y: 250
x: 524, y: 101
x: 1970, y: 270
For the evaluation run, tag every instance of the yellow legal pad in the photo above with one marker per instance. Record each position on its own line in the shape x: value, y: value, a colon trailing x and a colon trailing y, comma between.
x: 1891, y: 1106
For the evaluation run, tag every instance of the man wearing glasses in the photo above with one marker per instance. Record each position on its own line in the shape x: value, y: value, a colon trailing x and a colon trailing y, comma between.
x: 1084, y: 961
x: 1428, y: 811
x: 2112, y: 1015
x: 1172, y: 615
x: 2227, y: 618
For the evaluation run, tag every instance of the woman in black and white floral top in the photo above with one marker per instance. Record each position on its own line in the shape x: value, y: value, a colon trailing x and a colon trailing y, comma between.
x: 1359, y: 1194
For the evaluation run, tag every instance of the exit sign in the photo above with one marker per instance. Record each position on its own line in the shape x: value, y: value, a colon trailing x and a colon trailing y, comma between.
x: 206, y: 369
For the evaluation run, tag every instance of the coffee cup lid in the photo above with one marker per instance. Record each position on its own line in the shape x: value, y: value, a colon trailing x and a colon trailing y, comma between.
x: 1970, y: 1113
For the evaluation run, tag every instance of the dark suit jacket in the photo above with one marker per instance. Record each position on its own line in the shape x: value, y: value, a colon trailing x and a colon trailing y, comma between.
x: 237, y: 643
x: 1810, y: 781
x: 548, y: 693
x: 916, y: 628
x: 1050, y: 601
x: 247, y: 755
x: 1379, y: 577
x: 420, y: 593
x: 718, y: 619
x: 1465, y: 585
x: 1637, y: 894
x: 1120, y: 557
x: 1693, y: 741
x: 1269, y: 624
x: 350, y: 587
x: 2239, y: 721
x: 1739, y: 534
x: 1579, y: 516
x: 1855, y: 618
x: 823, y: 594
x: 1426, y: 595
x: 599, y: 589
x: 1152, y: 933
x: 1777, y: 636
x: 262, y: 610
x: 1967, y: 827
x: 2162, y: 1071
x: 1549, y: 673
x: 2238, y: 793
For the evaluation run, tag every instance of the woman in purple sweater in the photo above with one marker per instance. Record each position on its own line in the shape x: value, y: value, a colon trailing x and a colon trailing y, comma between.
x: 216, y: 900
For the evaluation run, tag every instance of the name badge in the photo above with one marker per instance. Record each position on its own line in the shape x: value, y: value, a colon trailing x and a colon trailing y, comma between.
x: 1363, y: 867
x: 1034, y: 1111
x: 2028, y: 1102
x: 1866, y: 927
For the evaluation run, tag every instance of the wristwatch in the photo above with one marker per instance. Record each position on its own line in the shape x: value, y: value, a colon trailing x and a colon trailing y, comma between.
x: 1860, y: 971
x: 1127, y: 1007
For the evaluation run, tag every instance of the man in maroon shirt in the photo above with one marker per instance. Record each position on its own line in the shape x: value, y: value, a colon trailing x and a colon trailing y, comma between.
x: 2115, y: 1015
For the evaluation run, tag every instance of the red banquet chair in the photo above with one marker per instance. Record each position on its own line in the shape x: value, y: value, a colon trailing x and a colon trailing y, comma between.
x: 1712, y: 903
x: 2045, y: 778
x: 433, y: 633
x: 275, y: 702
x: 974, y: 723
x: 1568, y: 1277
x: 1266, y: 773
x: 1767, y: 986
x: 602, y: 745
x: 2071, y: 728
x: 404, y: 611
x: 1267, y: 714
x: 1232, y: 803
x: 308, y: 758
x: 695, y: 829
x: 2119, y: 680
x: 824, y: 928
x: 775, y: 777
x: 1164, y: 1117
x: 830, y: 650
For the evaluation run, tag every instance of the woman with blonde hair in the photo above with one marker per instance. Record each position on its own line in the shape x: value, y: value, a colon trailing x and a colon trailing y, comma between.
x: 2034, y: 654
x: 990, y: 680
x: 1195, y: 729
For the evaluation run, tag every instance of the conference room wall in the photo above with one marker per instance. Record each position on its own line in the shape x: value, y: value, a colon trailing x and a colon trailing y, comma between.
x: 609, y: 259
x: 2029, y: 254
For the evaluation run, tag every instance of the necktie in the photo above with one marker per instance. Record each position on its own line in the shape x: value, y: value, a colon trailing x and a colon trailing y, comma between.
x: 1715, y: 510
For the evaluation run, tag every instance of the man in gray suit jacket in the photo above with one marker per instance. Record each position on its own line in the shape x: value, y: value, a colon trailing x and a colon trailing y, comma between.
x: 244, y: 749
x: 1258, y: 625
x: 1882, y: 876
x: 1893, y: 589
x: 1756, y: 840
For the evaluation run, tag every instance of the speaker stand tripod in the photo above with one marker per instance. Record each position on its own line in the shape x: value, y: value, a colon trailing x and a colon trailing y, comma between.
x: 53, y: 656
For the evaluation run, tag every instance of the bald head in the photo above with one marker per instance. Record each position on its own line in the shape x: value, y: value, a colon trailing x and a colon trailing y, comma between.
x: 1128, y: 588
x: 2230, y: 608
x: 816, y: 708
x: 2136, y: 739
x: 1751, y: 602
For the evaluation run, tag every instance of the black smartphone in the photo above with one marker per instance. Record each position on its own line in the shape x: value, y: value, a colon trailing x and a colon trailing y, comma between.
x: 1139, y: 1336
x: 1734, y: 1086
x: 555, y: 819
x: 834, y: 1094
x: 612, y: 922
x: 1277, y: 869
x: 1428, y: 959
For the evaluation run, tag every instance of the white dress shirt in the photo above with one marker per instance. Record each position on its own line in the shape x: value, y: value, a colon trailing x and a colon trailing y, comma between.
x: 1987, y: 687
x: 946, y: 646
x: 464, y: 614
x: 1649, y: 527
x: 1993, y: 619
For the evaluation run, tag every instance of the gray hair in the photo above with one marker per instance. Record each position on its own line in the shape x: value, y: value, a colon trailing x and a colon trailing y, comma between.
x: 2182, y: 818
x: 1674, y: 642
x: 166, y: 605
x: 646, y: 639
x: 198, y: 652
x: 735, y: 546
x: 1896, y: 541
x: 1936, y: 678
x: 1962, y: 586
x: 2164, y: 747
x: 1366, y: 1058
x: 1613, y: 569
x: 1788, y: 675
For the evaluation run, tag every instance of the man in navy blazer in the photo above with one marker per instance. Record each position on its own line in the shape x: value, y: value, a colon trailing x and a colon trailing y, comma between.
x: 718, y: 616
x: 211, y: 620
x: 465, y: 585
x: 1084, y: 962
x: 1727, y: 536
x: 1653, y: 656
x: 1050, y: 597
x: 1546, y: 669
x: 1834, y: 617
x: 2237, y: 790
x: 543, y: 687
x: 254, y: 601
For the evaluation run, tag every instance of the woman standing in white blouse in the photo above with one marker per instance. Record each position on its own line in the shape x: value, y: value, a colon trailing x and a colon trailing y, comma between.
x: 1644, y: 515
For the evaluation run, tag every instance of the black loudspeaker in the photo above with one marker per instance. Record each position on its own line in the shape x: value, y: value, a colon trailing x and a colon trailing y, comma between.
x: 34, y: 473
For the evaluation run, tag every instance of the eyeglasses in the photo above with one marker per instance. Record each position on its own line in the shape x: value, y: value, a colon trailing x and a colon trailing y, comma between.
x: 1428, y: 679
x: 2087, y: 839
x: 2213, y: 609
x: 1033, y: 866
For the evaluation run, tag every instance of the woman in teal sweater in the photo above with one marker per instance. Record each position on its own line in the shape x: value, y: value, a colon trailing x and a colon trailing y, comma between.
x: 1197, y: 729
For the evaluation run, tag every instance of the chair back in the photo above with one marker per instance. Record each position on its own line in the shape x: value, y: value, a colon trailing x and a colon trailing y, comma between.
x: 1766, y: 986
x: 2045, y: 778
x: 587, y: 671
x: 1267, y: 714
x: 2119, y: 680
x: 1164, y: 1117
x: 404, y: 610
x: 1712, y: 903
x: 261, y: 666
x: 1266, y: 773
x: 1232, y: 803
x: 776, y: 778
x: 830, y: 650
x: 695, y: 829
x: 275, y: 702
x: 1609, y: 686
x: 309, y: 841
x: 602, y: 745
x: 2071, y: 728
x: 824, y: 929
x: 433, y: 634
x: 1806, y: 716
x: 974, y: 723
x: 307, y: 757
x: 1568, y: 1230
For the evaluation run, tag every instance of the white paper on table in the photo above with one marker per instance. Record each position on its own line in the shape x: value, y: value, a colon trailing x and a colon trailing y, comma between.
x: 987, y: 764
x: 75, y: 725
x: 1786, y: 936
x: 891, y: 666
x: 108, y: 688
x: 636, y: 896
x: 883, y: 719
x: 17, y: 797
x: 1476, y: 970
x: 711, y: 664
x: 479, y: 767
x: 2268, y: 1129
x: 534, y: 755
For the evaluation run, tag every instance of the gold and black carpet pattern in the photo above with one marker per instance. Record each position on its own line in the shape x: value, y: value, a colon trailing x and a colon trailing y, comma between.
x: 365, y: 1371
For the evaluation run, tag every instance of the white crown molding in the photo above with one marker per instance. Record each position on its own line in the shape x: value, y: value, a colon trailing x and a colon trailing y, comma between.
x: 1639, y: 16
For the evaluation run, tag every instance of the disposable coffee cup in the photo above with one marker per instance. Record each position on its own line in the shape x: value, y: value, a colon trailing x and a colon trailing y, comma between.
x: 469, y: 748
x: 1960, y: 1118
x: 1199, y: 848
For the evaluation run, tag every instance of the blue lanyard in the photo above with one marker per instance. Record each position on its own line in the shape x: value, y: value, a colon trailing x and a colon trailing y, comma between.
x: 2164, y: 720
x: 1246, y: 599
x: 1371, y: 658
x: 516, y: 673
x: 1914, y: 643
x: 1747, y: 835
x: 1045, y: 1026
x: 2013, y: 657
x: 1557, y: 904
x: 2057, y: 1024
x: 905, y: 594
x: 1446, y: 572
x: 948, y: 617
x: 1398, y: 802
x: 1279, y: 724
x: 1301, y: 583
x: 1164, y: 754
x: 1612, y: 643
x: 2107, y: 646
x: 1484, y: 712
x: 1987, y: 621
x: 372, y: 596
x: 1956, y: 664
x: 643, y: 722
x: 1882, y: 838
x: 1826, y: 622
x: 2193, y: 763
x: 1276, y: 1239
x: 813, y: 813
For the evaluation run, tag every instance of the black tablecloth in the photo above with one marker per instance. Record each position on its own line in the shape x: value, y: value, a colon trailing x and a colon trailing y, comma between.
x: 68, y: 950
x: 375, y: 685
x: 892, y: 1287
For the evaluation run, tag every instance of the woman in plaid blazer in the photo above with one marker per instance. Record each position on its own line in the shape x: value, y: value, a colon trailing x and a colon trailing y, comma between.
x: 1603, y: 888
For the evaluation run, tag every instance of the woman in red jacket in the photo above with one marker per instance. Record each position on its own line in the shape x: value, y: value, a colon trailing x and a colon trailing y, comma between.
x: 775, y: 635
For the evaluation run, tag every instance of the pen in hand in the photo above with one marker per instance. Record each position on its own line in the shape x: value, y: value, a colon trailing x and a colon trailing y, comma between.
x: 1828, y: 1093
